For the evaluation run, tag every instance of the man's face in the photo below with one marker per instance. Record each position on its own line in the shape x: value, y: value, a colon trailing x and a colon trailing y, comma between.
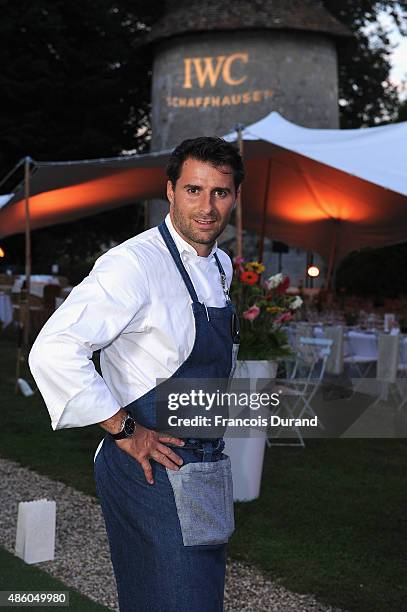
x: 201, y: 202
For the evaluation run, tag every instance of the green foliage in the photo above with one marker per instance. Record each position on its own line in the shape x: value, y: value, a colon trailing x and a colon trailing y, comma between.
x: 366, y: 95
x: 364, y: 272
x: 73, y: 82
x: 74, y: 85
x: 271, y: 344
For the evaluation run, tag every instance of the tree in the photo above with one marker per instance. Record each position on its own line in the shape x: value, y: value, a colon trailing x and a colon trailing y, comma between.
x: 74, y: 85
x: 363, y: 272
x: 366, y: 96
x: 73, y: 82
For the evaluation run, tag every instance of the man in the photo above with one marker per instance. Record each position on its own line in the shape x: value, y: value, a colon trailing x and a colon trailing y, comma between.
x: 158, y: 308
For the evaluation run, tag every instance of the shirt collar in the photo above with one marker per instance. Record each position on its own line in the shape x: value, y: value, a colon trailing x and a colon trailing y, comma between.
x: 182, y: 245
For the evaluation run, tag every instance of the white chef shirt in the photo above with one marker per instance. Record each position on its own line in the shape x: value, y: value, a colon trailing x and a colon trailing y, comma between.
x: 135, y: 307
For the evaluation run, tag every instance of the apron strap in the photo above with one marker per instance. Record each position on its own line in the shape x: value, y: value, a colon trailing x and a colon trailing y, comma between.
x: 223, y: 278
x: 169, y: 241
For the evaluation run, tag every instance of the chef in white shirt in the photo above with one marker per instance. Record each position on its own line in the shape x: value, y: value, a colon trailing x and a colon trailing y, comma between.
x: 158, y: 307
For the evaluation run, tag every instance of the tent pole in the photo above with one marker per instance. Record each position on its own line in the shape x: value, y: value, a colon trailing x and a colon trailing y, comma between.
x: 27, y: 251
x: 264, y: 215
x: 146, y: 215
x: 12, y: 171
x: 332, y: 255
x: 239, y: 228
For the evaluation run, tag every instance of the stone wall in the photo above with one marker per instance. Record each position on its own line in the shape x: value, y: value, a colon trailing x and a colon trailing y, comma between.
x: 206, y: 84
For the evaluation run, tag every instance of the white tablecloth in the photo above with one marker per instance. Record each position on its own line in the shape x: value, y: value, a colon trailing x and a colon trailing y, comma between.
x: 37, y: 283
x: 403, y: 350
x: 6, y: 309
x: 363, y: 344
x: 356, y: 342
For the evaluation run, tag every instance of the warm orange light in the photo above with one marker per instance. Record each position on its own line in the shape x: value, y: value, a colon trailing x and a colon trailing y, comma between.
x: 313, y: 271
x: 303, y: 191
x: 2, y: 253
x: 68, y: 203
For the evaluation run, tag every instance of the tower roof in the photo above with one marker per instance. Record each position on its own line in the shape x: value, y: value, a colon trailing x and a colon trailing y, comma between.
x: 191, y: 16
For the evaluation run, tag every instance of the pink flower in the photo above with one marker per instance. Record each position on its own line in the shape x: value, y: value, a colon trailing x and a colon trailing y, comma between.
x: 237, y: 263
x: 251, y: 313
x: 283, y: 318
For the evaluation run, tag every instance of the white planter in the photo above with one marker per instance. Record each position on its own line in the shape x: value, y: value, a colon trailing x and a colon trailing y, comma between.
x: 247, y: 454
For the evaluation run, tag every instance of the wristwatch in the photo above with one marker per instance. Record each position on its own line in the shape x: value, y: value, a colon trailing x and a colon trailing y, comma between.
x: 127, y: 429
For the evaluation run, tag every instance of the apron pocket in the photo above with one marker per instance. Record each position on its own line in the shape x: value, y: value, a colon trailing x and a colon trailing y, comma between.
x: 203, y: 494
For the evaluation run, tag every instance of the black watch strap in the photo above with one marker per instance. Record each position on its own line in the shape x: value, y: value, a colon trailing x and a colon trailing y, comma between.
x: 128, y: 428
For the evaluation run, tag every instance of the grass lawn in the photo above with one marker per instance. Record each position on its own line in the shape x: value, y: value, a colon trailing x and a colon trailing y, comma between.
x: 331, y: 519
x: 18, y: 576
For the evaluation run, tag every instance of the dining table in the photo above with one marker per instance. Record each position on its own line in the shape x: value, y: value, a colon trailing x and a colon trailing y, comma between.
x: 6, y: 309
x: 364, y: 343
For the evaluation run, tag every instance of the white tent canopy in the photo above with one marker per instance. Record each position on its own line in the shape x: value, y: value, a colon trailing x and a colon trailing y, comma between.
x: 377, y: 155
x: 328, y: 191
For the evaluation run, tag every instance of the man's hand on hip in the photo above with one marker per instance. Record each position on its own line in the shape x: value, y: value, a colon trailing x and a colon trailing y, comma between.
x: 147, y: 444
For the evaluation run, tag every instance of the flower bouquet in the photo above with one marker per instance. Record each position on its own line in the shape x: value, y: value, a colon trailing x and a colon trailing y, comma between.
x: 264, y: 307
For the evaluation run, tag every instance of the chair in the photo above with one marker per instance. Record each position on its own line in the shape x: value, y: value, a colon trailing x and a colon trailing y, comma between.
x: 20, y: 313
x: 51, y: 292
x: 303, y: 382
x: 362, y: 352
x: 302, y: 330
x: 298, y: 331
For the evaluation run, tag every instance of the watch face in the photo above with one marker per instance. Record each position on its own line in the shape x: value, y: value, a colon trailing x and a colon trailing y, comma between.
x: 129, y: 426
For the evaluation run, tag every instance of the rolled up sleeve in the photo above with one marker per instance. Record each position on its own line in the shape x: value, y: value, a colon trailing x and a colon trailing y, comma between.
x: 112, y: 296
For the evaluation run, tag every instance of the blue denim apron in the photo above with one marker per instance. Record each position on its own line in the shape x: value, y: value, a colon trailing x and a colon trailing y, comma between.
x: 155, y: 531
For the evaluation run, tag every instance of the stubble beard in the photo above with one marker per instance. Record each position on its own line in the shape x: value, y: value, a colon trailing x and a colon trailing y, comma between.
x: 185, y: 226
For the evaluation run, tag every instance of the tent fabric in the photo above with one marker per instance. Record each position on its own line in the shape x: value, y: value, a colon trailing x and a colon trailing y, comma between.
x: 327, y: 191
x: 64, y: 191
x: 377, y: 155
x: 318, y: 208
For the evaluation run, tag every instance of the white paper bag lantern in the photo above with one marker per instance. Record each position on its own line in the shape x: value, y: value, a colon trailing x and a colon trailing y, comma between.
x: 35, y: 540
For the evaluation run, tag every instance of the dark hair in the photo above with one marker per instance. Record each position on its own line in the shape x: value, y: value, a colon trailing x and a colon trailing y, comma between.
x: 211, y: 149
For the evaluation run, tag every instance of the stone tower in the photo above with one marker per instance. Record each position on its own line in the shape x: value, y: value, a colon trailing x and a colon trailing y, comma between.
x: 220, y: 63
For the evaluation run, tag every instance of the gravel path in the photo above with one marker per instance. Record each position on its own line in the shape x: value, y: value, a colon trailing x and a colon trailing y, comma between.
x: 82, y: 559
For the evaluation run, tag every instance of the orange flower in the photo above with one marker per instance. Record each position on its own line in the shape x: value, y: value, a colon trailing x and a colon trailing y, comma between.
x: 249, y: 278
